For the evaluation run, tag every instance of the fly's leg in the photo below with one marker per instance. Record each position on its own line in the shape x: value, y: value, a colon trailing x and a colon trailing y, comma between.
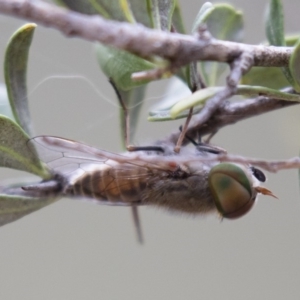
x: 146, y: 148
x: 183, y: 132
x: 207, y: 140
x: 204, y: 146
x: 134, y: 207
x: 197, y: 83
x: 137, y: 223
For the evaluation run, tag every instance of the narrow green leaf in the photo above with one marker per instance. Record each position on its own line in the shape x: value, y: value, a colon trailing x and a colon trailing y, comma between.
x: 113, y: 8
x: 175, y: 90
x: 161, y: 116
x: 203, y: 14
x: 125, y: 6
x: 269, y: 77
x: 224, y: 23
x: 119, y: 65
x: 275, y: 32
x: 14, y: 207
x: 92, y: 7
x: 199, y: 98
x: 195, y: 99
x: 15, y: 68
x: 253, y: 91
x: 294, y: 66
x: 15, y: 153
x: 133, y: 100
x: 299, y: 175
x: 177, y: 21
x: 162, y: 12
x: 140, y: 11
x: 5, y: 108
x: 275, y: 23
x: 291, y: 40
x: 120, y: 10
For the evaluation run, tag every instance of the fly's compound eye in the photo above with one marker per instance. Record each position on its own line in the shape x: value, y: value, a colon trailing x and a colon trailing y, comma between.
x: 232, y: 190
x: 258, y: 174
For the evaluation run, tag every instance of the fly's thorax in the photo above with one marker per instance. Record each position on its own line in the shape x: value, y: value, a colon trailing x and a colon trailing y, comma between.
x: 189, y: 193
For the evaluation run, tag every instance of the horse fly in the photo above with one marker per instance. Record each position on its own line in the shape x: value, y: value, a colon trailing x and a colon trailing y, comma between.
x: 186, y: 182
x: 181, y: 179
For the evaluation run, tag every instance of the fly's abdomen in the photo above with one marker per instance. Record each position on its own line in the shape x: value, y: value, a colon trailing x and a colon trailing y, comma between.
x: 110, y: 182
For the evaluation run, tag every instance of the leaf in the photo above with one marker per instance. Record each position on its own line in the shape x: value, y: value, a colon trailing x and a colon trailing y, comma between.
x: 177, y: 21
x: 15, y: 153
x: 291, y: 40
x: 195, y: 99
x: 15, y: 68
x: 271, y: 77
x: 133, y: 101
x: 199, y: 97
x: 125, y: 6
x: 161, y: 13
x: 294, y: 66
x: 254, y: 91
x: 204, y: 12
x: 161, y: 116
x: 113, y: 9
x: 121, y: 10
x: 14, y: 207
x: 275, y: 23
x: 86, y: 7
x: 119, y: 65
x: 299, y: 175
x: 224, y: 23
x: 140, y: 11
x: 174, y: 92
x: 275, y: 32
x: 5, y: 108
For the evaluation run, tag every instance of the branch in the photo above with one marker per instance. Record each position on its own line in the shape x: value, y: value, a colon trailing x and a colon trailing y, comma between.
x: 231, y: 113
x: 178, y: 48
x: 271, y: 166
x: 168, y: 162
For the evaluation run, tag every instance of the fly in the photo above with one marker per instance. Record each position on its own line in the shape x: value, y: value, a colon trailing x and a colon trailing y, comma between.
x: 178, y: 179
x: 182, y: 182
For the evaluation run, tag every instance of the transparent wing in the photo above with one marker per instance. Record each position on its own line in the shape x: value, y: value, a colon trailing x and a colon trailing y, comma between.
x: 65, y: 156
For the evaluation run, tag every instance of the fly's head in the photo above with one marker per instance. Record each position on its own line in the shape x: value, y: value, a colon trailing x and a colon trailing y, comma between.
x: 234, y: 188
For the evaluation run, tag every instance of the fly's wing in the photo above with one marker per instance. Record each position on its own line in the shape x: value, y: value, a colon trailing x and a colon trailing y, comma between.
x: 64, y: 155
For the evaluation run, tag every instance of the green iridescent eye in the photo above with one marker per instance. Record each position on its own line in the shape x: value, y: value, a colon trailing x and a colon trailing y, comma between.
x: 232, y: 190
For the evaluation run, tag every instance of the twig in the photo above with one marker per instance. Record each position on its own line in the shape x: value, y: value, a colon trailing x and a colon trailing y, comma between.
x: 153, y: 74
x: 271, y: 166
x: 239, y: 66
x: 231, y: 113
x: 178, y: 48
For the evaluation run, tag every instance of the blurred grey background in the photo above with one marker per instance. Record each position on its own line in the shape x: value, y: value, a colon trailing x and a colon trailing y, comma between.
x: 78, y: 250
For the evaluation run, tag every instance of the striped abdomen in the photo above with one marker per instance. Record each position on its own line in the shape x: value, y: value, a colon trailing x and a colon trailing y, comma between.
x: 112, y: 182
